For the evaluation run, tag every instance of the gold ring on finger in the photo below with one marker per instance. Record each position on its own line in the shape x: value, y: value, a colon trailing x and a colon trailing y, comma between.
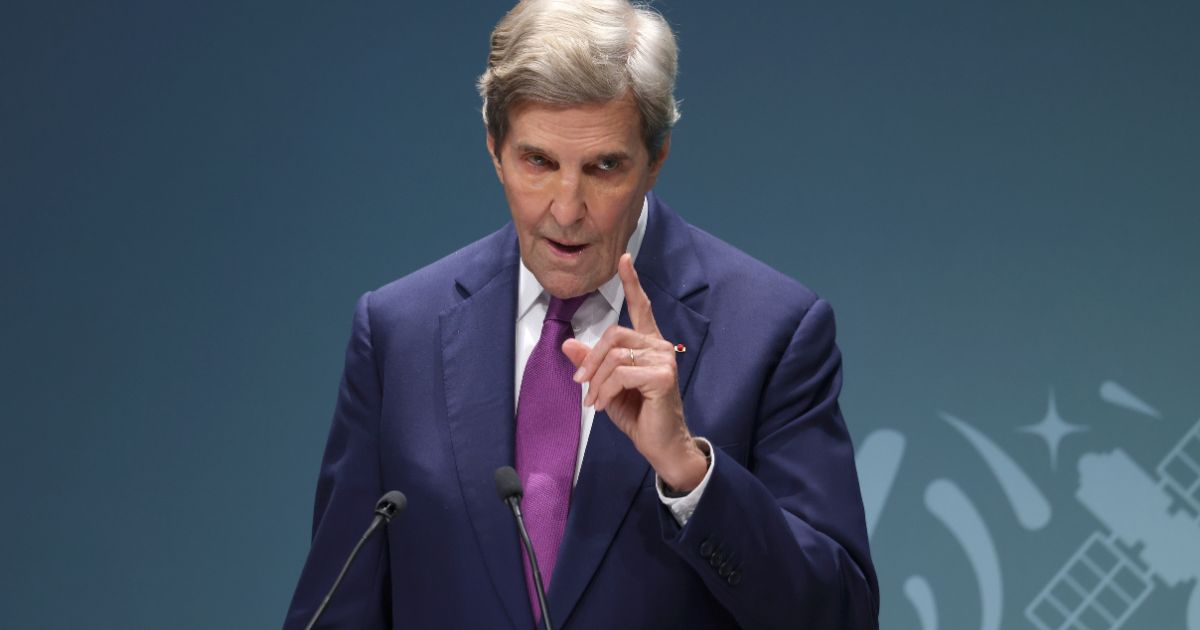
x: 632, y: 357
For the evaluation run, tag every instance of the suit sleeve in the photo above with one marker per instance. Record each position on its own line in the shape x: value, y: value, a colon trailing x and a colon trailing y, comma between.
x: 781, y: 542
x: 347, y: 489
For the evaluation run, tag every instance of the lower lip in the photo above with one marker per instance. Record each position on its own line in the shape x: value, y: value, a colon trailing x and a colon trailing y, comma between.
x: 569, y: 254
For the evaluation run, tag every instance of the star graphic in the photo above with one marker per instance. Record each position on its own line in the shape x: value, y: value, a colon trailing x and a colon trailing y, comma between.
x: 1053, y: 429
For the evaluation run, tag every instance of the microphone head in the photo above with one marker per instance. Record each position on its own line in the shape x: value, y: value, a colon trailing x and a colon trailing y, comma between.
x: 391, y: 503
x: 508, y: 484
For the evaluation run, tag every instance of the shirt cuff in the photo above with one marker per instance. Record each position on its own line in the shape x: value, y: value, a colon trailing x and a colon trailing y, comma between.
x: 682, y: 506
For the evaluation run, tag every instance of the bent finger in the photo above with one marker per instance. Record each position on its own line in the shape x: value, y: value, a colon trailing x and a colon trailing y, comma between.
x: 614, y: 336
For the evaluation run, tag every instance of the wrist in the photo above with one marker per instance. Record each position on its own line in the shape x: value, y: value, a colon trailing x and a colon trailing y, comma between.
x: 682, y: 472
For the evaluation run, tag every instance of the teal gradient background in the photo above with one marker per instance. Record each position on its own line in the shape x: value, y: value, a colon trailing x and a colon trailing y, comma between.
x: 999, y: 199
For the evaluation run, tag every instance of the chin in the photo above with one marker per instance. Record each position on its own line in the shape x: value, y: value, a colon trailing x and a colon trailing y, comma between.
x: 564, y: 287
x: 566, y: 292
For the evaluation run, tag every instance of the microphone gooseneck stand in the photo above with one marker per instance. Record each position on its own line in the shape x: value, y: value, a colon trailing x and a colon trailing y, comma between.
x: 387, y: 507
x: 508, y: 486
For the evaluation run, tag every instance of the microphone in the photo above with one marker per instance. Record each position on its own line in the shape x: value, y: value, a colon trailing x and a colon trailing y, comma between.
x: 387, y: 507
x: 508, y: 486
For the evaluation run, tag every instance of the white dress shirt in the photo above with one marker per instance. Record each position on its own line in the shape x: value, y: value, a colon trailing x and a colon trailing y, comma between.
x: 595, y: 315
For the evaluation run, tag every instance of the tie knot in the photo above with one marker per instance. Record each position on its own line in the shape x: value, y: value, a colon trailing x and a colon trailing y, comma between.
x: 564, y: 310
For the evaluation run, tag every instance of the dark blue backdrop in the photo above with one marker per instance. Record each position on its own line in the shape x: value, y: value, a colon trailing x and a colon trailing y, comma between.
x: 1000, y: 200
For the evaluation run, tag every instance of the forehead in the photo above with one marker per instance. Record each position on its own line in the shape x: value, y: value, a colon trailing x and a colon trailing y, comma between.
x: 607, y: 126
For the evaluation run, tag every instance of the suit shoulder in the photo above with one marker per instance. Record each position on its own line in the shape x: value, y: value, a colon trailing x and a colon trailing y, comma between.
x: 432, y: 288
x: 738, y: 276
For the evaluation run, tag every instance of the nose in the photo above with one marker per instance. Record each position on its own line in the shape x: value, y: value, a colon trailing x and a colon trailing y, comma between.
x: 568, y: 205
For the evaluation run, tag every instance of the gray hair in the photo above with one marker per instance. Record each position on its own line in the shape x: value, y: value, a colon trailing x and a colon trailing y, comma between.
x: 570, y: 52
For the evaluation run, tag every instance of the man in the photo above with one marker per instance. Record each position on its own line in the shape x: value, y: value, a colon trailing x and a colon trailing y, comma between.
x: 675, y: 426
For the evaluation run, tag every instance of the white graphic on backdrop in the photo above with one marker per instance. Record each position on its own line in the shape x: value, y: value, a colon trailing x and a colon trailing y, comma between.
x: 1103, y: 584
x: 947, y: 502
x: 917, y: 590
x: 1111, y: 392
x: 879, y: 457
x: 1153, y: 524
x: 1053, y: 429
x: 1028, y: 503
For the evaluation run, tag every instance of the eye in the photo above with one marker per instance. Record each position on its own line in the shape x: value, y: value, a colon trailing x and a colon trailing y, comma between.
x: 608, y: 165
x: 537, y: 160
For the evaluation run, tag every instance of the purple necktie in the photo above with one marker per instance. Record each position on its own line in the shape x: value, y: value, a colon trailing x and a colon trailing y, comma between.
x: 548, y: 416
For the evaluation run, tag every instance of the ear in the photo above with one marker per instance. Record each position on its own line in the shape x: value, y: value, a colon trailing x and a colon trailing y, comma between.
x: 491, y: 149
x: 659, y: 159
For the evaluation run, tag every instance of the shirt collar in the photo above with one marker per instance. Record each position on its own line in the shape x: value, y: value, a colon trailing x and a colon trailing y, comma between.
x: 529, y: 290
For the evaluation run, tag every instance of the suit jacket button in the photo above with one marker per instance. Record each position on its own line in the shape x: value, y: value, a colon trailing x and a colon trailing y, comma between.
x: 706, y: 549
x: 734, y: 578
x: 725, y: 571
x: 716, y: 559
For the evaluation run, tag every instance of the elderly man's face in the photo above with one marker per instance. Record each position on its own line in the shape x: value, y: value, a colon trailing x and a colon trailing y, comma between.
x: 575, y: 177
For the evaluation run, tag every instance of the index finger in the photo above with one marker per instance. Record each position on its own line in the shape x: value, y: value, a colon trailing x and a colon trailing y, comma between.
x: 640, y: 313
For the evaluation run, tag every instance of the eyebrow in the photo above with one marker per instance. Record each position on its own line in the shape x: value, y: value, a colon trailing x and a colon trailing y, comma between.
x: 616, y: 155
x: 522, y: 147
x: 527, y: 148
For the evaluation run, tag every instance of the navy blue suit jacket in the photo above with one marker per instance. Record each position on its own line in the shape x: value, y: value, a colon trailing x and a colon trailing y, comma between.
x: 778, y: 539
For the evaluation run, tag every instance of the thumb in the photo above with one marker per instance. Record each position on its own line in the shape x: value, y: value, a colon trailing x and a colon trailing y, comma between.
x: 576, y: 351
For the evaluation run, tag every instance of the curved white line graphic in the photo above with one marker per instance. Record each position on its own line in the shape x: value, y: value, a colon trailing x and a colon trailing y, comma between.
x: 1193, y: 608
x: 877, y: 461
x: 1112, y: 392
x: 1028, y: 503
x: 921, y: 597
x: 947, y: 502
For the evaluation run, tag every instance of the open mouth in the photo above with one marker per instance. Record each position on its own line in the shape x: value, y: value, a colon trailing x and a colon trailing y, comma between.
x: 565, y: 248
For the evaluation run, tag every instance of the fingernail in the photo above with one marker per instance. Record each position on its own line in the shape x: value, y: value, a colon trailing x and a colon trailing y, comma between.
x: 578, y: 378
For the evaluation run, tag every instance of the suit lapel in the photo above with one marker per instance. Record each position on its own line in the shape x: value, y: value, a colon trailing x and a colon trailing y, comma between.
x: 613, y: 471
x: 477, y: 363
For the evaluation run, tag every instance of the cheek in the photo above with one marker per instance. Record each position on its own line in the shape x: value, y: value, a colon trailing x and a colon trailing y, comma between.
x: 522, y: 198
x: 535, y: 183
x: 621, y: 212
x: 527, y: 199
x: 528, y: 211
x: 522, y: 177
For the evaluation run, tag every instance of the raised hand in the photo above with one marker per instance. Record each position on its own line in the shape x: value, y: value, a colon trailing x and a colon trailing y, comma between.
x: 631, y: 374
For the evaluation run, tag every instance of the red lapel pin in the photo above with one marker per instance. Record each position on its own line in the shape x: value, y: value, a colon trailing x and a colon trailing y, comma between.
x: 680, y: 348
